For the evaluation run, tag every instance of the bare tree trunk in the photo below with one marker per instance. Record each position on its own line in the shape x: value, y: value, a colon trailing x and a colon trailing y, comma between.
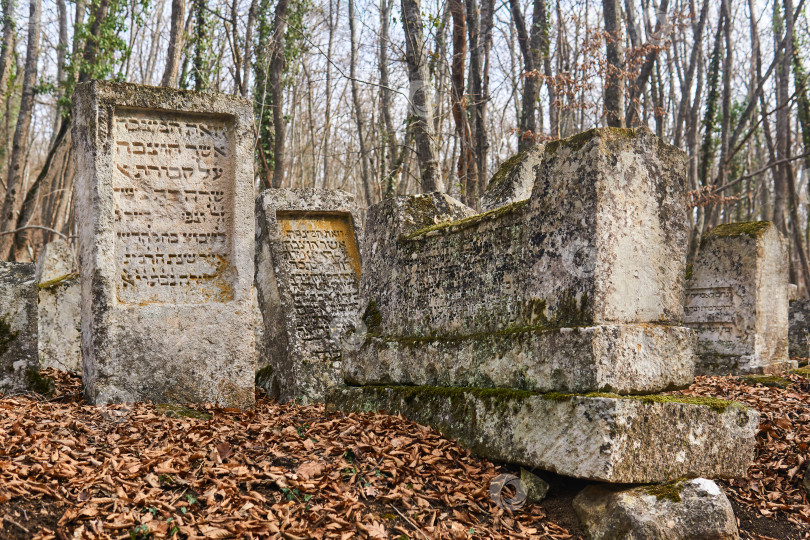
x: 421, y: 102
x: 531, y: 45
x: 466, y: 164
x: 175, y: 44
x: 275, y: 75
x: 389, y: 135
x: 61, y: 50
x: 683, y: 108
x: 638, y: 85
x: 13, y: 200
x: 614, y: 73
x: 365, y: 167
x: 334, y: 17
x: 7, y: 45
x: 780, y: 184
x: 248, y: 65
x: 481, y: 131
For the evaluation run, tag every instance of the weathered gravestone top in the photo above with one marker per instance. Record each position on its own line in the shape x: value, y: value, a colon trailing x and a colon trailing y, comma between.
x: 308, y: 273
x: 165, y: 191
x: 737, y: 300
x: 579, y: 288
x: 19, y: 363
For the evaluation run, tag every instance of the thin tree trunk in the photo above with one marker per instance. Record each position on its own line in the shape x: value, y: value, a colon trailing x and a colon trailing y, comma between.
x: 7, y: 43
x: 780, y: 184
x: 639, y: 84
x: 175, y: 44
x: 13, y: 199
x: 482, y: 132
x: 365, y: 167
x: 61, y: 51
x: 248, y: 65
x: 466, y: 163
x: 277, y: 61
x: 686, y: 88
x: 614, y: 73
x: 389, y: 135
x: 421, y: 101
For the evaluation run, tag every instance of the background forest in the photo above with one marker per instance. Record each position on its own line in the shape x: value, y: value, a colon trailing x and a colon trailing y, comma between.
x: 385, y: 98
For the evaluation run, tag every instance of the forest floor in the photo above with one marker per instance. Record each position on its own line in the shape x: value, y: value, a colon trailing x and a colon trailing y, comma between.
x: 71, y: 470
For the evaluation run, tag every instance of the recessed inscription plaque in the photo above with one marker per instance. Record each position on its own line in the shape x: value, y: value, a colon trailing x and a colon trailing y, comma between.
x: 173, y: 190
x: 323, y: 269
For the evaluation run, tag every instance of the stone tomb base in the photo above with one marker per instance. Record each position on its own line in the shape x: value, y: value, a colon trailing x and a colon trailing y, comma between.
x: 644, y: 439
x: 620, y: 358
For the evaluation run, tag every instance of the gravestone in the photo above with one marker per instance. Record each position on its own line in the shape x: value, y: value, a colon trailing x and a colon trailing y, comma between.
x: 539, y: 332
x: 307, y: 278
x: 513, y: 180
x: 19, y: 364
x: 60, y: 304
x: 165, y: 191
x: 737, y: 300
x: 799, y: 329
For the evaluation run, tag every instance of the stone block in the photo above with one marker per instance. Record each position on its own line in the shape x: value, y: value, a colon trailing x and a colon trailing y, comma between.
x: 60, y: 323
x: 687, y: 509
x: 55, y: 261
x: 639, y: 439
x: 799, y: 329
x: 307, y: 279
x: 165, y: 190
x: 514, y: 179
x: 490, y: 299
x: 19, y: 363
x: 737, y: 300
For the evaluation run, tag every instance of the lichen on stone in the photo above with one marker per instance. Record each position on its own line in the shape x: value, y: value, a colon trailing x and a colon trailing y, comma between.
x: 56, y: 281
x: 754, y: 229
x: 670, y: 492
x: 716, y: 404
x: 468, y: 221
x: 506, y: 167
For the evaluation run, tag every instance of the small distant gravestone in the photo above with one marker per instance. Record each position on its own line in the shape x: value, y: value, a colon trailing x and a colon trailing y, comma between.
x: 19, y: 364
x: 737, y: 300
x: 165, y: 191
x: 307, y: 277
x: 60, y: 305
x: 799, y: 329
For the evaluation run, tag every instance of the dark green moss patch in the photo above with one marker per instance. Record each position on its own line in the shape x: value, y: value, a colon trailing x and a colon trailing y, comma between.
x: 264, y: 377
x: 468, y: 221
x: 56, y: 281
x: 689, y: 271
x: 754, y: 229
x: 578, y: 141
x: 43, y: 386
x: 716, y: 404
x: 773, y: 381
x: 506, y: 167
x: 803, y: 371
x: 669, y: 492
x: 372, y: 317
x: 179, y: 411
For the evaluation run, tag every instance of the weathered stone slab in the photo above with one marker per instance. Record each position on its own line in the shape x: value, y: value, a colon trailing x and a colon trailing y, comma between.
x: 687, y: 509
x: 165, y: 191
x: 19, y: 364
x: 737, y: 300
x: 799, y: 329
x: 639, y: 439
x: 60, y: 323
x: 55, y: 261
x: 514, y: 179
x: 307, y: 279
x: 600, y: 245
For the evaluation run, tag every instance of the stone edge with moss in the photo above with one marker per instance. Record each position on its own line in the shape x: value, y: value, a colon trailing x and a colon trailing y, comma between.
x: 56, y: 281
x: 754, y: 229
x: 467, y: 222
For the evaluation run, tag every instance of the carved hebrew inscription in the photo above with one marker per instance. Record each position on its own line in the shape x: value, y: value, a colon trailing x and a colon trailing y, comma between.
x: 323, y: 269
x: 709, y: 310
x: 173, y: 191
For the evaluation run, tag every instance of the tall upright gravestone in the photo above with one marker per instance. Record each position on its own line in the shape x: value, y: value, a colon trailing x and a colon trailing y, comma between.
x: 307, y: 279
x: 165, y: 199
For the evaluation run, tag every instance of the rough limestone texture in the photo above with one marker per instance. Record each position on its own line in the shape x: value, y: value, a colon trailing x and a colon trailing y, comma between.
x: 610, y: 439
x: 56, y: 261
x: 577, y: 289
x: 737, y: 300
x: 690, y: 509
x: 165, y: 191
x: 799, y: 329
x: 60, y: 323
x: 514, y: 179
x: 307, y: 279
x: 19, y: 364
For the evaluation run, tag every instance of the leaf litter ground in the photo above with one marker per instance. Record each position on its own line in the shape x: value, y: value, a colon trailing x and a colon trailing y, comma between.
x: 135, y: 471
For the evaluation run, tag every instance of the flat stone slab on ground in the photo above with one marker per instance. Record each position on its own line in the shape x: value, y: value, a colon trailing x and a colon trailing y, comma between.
x: 692, y: 509
x: 737, y: 300
x: 19, y: 362
x: 640, y: 439
x: 166, y: 241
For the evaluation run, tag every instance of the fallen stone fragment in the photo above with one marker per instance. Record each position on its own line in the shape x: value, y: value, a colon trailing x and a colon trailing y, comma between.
x: 691, y: 509
x: 60, y: 323
x: 635, y: 439
x: 536, y: 487
x: 19, y: 361
x: 514, y: 179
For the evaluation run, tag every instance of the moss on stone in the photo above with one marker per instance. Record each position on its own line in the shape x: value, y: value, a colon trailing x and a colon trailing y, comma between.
x: 264, y: 377
x: 179, y: 411
x: 716, y: 404
x: 56, y: 281
x: 578, y: 141
x: 372, y: 317
x: 754, y: 229
x: 468, y: 221
x: 670, y: 492
x: 40, y: 384
x: 506, y: 168
x: 803, y: 371
x: 7, y: 335
x: 774, y: 381
x: 689, y: 268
